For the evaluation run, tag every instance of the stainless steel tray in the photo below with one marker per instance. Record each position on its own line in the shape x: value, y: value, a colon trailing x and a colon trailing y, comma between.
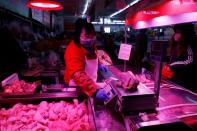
x: 58, y: 97
x: 16, y: 94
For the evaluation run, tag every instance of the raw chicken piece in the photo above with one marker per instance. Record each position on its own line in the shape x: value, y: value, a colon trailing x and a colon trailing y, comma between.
x: 9, y: 128
x: 11, y: 119
x: 3, y: 114
x: 63, y: 115
x: 17, y: 106
x: 52, y: 115
x: 142, y: 78
x: 3, y: 128
x: 128, y: 79
x: 31, y: 112
x: 38, y: 117
x: 45, y: 115
x: 59, y: 125
x: 40, y: 127
x: 75, y: 101
x: 72, y: 116
x: 25, y: 120
x: 32, y: 125
x: 8, y: 89
x: 43, y: 108
x: 17, y: 127
x: 80, y: 126
x: 43, y: 105
x: 58, y: 107
x: 15, y: 109
x: 85, y: 118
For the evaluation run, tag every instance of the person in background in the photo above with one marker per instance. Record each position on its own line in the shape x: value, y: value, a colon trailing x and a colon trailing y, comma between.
x: 82, y: 62
x: 182, y: 63
x: 109, y: 47
x: 140, y: 48
x: 12, y: 56
x: 53, y: 58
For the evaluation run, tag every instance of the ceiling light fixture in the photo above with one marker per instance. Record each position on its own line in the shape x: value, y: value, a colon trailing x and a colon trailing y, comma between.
x: 86, y: 7
x: 123, y: 9
x: 44, y: 5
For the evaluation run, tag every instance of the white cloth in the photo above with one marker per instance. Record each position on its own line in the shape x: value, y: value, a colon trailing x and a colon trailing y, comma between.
x: 91, y: 68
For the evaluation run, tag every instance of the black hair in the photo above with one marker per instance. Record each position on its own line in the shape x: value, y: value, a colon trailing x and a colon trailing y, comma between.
x: 143, y: 31
x: 79, y: 25
x: 186, y: 27
x: 187, y: 31
x: 188, y: 36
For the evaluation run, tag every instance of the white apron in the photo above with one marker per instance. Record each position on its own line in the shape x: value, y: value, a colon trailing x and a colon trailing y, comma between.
x: 91, y: 68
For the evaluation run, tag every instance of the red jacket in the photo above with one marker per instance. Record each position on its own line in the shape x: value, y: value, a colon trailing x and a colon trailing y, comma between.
x: 75, y: 69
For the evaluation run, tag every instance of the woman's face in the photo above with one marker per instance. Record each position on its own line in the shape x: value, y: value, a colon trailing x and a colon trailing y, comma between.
x: 87, y: 40
x: 177, y: 36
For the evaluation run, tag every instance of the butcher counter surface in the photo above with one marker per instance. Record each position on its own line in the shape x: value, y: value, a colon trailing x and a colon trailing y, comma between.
x: 175, y: 104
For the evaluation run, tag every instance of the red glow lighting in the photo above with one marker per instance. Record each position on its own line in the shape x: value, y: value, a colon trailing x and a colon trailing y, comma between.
x: 171, y: 12
x: 44, y: 5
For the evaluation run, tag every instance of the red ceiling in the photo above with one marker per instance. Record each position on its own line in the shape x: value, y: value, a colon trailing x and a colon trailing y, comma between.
x: 173, y: 7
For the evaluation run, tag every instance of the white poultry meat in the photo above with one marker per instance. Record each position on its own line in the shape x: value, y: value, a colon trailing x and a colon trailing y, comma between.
x: 54, y: 116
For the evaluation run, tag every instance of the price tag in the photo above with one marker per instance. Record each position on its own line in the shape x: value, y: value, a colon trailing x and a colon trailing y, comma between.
x: 125, y: 51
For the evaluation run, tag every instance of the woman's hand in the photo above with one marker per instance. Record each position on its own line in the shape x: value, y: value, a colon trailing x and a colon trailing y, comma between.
x: 102, y: 68
x: 101, y: 95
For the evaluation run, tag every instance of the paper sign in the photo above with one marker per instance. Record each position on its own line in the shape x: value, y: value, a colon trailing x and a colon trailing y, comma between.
x: 124, y: 52
x: 9, y: 80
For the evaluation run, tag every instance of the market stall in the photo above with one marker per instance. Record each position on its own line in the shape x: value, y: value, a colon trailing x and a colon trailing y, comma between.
x: 38, y: 97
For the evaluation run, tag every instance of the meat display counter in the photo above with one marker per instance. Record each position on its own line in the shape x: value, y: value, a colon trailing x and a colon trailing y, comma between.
x: 52, y: 108
x: 176, y: 109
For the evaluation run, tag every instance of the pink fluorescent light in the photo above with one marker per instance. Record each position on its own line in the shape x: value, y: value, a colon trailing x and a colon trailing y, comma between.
x: 167, y: 20
x: 45, y: 5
